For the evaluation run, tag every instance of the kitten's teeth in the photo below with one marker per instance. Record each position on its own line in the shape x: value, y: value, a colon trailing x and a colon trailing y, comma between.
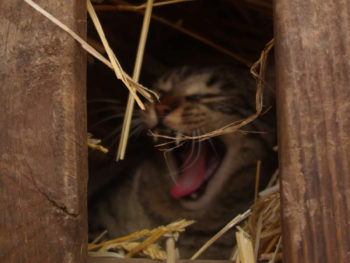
x: 178, y: 138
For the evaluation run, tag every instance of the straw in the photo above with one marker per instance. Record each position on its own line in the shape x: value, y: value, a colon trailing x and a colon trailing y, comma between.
x: 95, y: 144
x: 152, y: 236
x: 170, y: 249
x: 110, y: 53
x: 245, y: 247
x: 137, y: 69
x: 231, y: 224
x: 257, y: 180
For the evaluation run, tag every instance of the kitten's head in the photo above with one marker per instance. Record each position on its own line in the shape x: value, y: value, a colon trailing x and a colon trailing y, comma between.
x: 199, y: 100
x: 194, y: 101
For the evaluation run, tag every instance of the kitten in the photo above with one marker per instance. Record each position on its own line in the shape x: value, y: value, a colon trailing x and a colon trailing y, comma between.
x: 209, y: 181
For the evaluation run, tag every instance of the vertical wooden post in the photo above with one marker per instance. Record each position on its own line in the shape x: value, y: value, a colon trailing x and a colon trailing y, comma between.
x: 313, y: 81
x: 43, y: 162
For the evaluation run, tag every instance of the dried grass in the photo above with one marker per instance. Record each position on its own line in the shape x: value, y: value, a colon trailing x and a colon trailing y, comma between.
x: 137, y: 69
x: 172, y: 252
x: 154, y: 251
x: 264, y: 224
x: 95, y: 144
x: 146, y: 246
x: 258, y: 240
x: 232, y: 223
x: 245, y: 247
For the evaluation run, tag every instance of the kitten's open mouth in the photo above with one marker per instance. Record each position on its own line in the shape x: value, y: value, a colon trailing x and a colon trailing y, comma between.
x: 197, y: 163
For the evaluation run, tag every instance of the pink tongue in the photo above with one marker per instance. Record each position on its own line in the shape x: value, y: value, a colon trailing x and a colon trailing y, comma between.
x: 191, y: 177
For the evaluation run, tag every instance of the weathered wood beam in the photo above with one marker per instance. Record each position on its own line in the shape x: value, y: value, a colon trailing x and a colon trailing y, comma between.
x: 313, y: 82
x: 43, y: 152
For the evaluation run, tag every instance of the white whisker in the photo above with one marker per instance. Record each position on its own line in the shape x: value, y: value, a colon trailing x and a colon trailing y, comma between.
x: 187, y: 166
x: 211, y: 143
x: 114, y: 116
x: 135, y: 124
x: 114, y: 133
x: 136, y: 130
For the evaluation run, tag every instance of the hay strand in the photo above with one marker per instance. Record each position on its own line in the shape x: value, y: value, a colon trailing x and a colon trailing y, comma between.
x: 257, y: 180
x: 132, y: 236
x: 258, y: 237
x: 95, y: 144
x: 115, y: 63
x: 147, y: 242
x: 264, y: 224
x: 274, y: 257
x: 171, y: 251
x: 136, y: 74
x: 99, y: 237
x: 245, y: 247
x: 147, y: 246
x: 231, y: 224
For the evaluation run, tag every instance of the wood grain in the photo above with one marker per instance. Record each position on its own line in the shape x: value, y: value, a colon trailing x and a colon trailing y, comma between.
x: 313, y: 97
x: 43, y: 152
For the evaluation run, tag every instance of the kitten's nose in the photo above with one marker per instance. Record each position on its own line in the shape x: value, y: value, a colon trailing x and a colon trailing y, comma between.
x: 162, y: 109
x: 166, y: 105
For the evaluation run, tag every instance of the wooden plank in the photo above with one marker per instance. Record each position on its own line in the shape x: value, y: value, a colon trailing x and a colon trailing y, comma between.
x: 142, y: 260
x: 313, y: 81
x: 43, y: 152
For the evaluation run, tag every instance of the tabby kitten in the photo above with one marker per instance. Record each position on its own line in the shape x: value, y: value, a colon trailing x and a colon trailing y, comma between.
x: 209, y: 181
